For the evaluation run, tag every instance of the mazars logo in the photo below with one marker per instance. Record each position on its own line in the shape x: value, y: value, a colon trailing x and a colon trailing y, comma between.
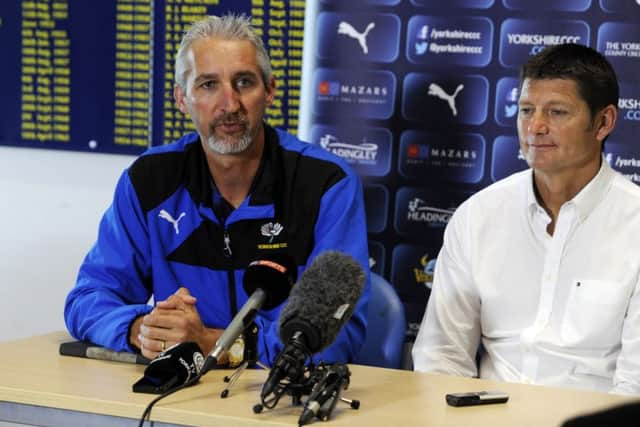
x: 363, y: 90
x: 424, y: 152
x: 331, y: 88
x: 419, y: 212
x: 335, y: 88
x: 418, y: 151
x: 364, y: 152
x: 453, y: 154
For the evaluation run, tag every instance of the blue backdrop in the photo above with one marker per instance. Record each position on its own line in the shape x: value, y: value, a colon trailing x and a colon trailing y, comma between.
x: 420, y: 97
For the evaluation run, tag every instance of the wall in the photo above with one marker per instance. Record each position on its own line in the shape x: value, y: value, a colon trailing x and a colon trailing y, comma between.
x: 50, y: 206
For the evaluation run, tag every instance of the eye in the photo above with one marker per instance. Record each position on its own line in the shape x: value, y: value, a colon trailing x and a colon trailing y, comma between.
x: 245, y: 82
x: 208, y: 84
x: 557, y: 112
x: 525, y: 111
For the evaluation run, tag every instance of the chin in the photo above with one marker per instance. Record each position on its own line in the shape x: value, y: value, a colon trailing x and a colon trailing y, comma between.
x: 222, y: 146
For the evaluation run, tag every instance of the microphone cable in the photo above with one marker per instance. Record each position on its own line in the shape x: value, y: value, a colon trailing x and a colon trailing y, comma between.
x: 146, y: 415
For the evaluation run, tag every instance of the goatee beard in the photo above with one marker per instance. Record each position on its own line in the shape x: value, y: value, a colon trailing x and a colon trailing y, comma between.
x: 227, y: 145
x: 221, y: 146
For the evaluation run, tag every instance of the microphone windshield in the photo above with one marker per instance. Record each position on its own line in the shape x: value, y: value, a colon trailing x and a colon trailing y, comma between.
x: 275, y: 274
x: 323, y: 300
x: 173, y: 367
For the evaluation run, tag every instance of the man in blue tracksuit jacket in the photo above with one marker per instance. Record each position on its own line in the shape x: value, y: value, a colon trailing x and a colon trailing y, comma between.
x: 188, y: 217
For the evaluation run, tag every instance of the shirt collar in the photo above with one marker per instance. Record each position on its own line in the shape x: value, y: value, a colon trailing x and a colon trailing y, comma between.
x: 530, y: 197
x: 591, y: 195
x: 586, y: 200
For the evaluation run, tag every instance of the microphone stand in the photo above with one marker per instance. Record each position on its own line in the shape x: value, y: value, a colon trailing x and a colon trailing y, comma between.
x: 326, y: 393
x: 323, y: 383
x: 250, y: 359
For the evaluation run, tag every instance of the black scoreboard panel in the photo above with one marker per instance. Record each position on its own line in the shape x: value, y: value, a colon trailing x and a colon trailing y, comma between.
x: 98, y: 76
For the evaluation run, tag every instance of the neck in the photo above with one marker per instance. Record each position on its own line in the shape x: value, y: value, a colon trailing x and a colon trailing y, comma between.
x: 233, y: 174
x: 554, y: 190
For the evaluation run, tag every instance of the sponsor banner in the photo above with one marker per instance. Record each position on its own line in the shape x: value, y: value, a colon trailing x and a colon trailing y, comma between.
x: 521, y: 38
x: 355, y: 37
x: 620, y: 44
x: 470, y: 4
x: 446, y: 41
x: 439, y: 99
x: 548, y: 5
x: 425, y: 213
x: 624, y: 159
x: 376, y: 257
x: 376, y: 202
x: 412, y: 269
x: 353, y: 93
x: 455, y: 157
x: 367, y: 150
x: 507, y: 95
x: 506, y: 158
x: 628, y: 7
x: 628, y: 111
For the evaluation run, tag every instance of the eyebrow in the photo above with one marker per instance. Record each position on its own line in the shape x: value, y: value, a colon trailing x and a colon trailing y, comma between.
x: 550, y: 102
x: 213, y: 76
x: 246, y: 73
x: 203, y: 77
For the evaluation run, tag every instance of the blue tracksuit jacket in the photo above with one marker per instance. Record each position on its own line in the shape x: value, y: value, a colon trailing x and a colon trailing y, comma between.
x: 161, y: 233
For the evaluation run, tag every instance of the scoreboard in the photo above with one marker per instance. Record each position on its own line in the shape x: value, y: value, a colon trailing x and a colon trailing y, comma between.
x: 98, y: 76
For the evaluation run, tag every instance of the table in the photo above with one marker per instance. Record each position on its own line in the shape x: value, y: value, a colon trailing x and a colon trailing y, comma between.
x: 38, y: 386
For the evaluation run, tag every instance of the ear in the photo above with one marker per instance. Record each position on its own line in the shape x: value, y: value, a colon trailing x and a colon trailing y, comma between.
x: 271, y: 90
x: 179, y: 96
x: 605, y: 121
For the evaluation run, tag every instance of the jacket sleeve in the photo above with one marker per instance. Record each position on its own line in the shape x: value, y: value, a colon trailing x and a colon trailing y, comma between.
x: 113, y: 284
x: 449, y: 335
x: 341, y: 226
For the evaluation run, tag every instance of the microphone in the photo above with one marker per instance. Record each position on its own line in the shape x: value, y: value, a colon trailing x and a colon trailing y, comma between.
x: 319, y: 305
x: 176, y: 366
x: 325, y: 394
x: 268, y: 280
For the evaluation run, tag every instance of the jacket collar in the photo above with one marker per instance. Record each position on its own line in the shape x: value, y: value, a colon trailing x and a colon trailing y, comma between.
x: 265, y: 185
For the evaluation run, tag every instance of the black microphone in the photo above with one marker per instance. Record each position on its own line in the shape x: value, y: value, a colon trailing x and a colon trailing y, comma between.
x: 319, y: 305
x: 268, y: 280
x: 175, y: 366
x: 325, y: 394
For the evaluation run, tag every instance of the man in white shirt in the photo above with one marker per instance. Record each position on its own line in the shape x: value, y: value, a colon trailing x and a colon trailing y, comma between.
x: 543, y: 268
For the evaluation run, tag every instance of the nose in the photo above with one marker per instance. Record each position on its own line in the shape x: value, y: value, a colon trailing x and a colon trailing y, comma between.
x: 229, y: 99
x: 537, y: 123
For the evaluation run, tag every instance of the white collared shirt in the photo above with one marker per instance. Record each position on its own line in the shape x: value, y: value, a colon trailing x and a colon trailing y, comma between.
x: 561, y: 310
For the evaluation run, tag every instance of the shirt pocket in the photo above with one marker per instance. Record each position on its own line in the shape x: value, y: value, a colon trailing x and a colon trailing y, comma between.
x: 594, y: 313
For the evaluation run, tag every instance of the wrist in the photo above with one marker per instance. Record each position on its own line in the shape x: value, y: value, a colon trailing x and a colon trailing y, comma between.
x: 209, y: 338
x: 134, y: 334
